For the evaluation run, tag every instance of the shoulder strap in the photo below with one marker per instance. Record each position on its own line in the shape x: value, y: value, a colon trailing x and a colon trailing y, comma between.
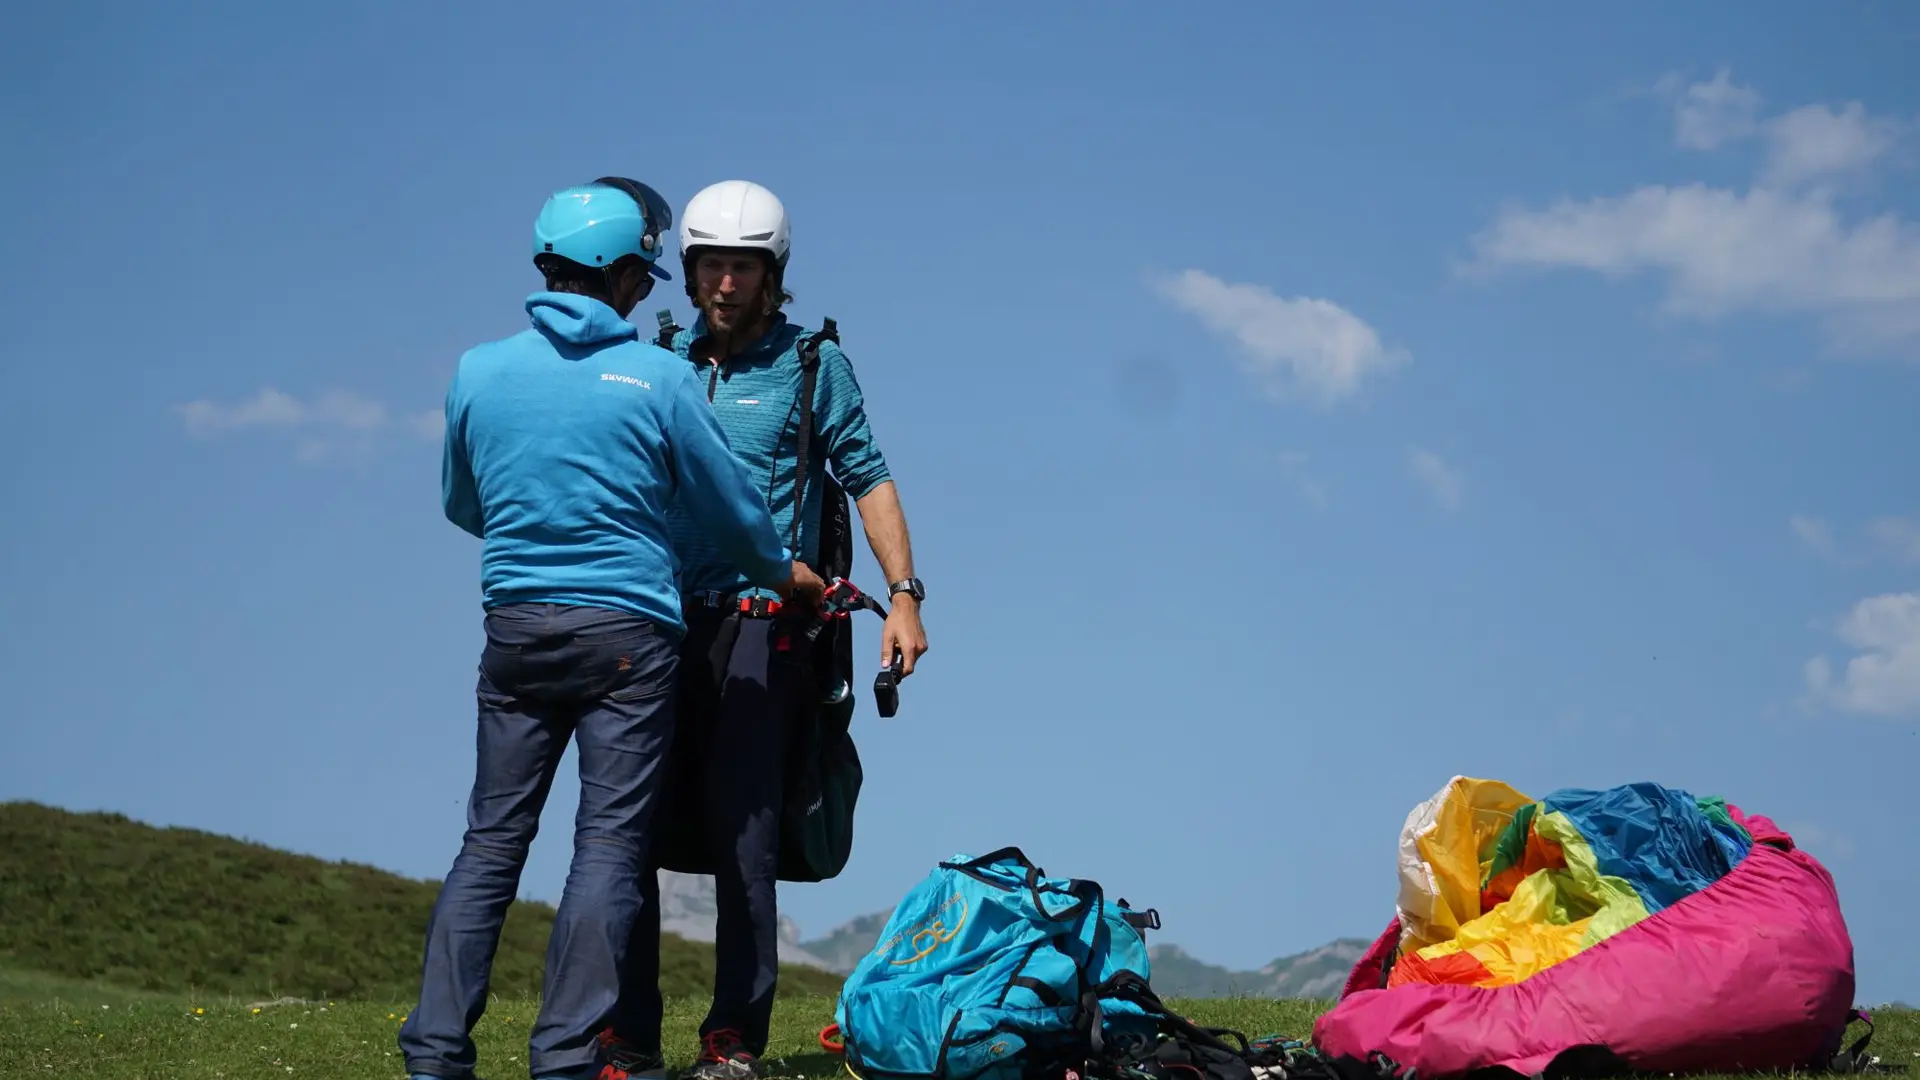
x: 809, y: 374
x: 668, y: 331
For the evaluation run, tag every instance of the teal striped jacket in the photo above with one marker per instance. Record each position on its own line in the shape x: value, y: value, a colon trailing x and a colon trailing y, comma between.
x: 756, y: 398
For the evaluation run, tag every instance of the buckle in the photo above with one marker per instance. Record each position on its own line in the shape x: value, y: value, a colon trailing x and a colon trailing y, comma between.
x: 758, y: 607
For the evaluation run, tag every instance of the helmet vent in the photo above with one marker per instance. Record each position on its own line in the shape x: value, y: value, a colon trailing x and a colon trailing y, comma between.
x: 759, y: 236
x: 702, y: 235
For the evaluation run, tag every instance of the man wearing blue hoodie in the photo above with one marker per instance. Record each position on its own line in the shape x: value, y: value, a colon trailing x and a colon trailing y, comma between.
x: 565, y: 445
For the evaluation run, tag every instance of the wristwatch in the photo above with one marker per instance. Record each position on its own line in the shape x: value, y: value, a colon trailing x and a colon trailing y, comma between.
x: 911, y: 586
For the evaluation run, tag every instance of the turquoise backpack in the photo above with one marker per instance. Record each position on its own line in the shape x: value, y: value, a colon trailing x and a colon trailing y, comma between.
x: 989, y: 968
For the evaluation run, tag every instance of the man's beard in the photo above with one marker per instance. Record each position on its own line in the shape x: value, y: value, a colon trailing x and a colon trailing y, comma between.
x: 739, y: 320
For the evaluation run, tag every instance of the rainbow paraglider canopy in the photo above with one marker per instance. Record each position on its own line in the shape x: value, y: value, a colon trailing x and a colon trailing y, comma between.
x: 1496, y: 887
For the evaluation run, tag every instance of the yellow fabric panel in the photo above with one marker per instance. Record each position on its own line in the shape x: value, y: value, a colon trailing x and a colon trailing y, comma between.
x: 1445, y: 850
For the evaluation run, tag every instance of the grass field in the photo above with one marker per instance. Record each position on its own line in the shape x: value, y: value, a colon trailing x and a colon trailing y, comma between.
x: 229, y: 1039
x: 100, y: 901
x: 103, y: 920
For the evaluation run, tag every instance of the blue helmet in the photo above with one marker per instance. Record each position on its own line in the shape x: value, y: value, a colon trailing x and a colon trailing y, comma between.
x: 598, y: 223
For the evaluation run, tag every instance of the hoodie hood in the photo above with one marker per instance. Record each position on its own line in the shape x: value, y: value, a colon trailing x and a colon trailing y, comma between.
x: 578, y: 320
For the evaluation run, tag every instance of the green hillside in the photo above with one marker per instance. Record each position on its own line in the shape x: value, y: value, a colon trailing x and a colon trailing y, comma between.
x: 105, y: 900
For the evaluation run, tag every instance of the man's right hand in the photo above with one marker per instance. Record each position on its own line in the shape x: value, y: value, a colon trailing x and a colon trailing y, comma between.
x: 803, y: 584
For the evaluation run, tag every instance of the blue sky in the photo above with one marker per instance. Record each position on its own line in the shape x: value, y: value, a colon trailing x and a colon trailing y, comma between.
x: 1293, y: 408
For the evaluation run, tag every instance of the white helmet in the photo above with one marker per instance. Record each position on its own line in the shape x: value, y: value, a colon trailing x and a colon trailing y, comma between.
x: 735, y: 214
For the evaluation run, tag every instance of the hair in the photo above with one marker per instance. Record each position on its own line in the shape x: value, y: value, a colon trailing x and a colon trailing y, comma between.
x: 566, y: 276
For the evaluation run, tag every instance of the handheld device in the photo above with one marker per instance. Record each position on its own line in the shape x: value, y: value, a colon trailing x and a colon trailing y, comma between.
x: 842, y: 599
x: 886, y: 686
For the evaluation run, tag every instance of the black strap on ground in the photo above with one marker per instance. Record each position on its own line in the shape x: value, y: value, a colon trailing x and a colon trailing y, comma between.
x: 1183, y: 1049
x: 1855, y: 1059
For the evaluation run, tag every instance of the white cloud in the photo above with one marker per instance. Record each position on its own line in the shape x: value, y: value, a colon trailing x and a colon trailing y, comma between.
x: 1882, y: 678
x: 1814, y: 142
x: 1822, y: 843
x: 429, y: 424
x: 1442, y: 481
x: 1898, y: 537
x: 1813, y: 532
x: 1292, y: 346
x: 1708, y: 114
x: 1772, y: 248
x: 1890, y: 539
x: 323, y: 426
x: 268, y: 408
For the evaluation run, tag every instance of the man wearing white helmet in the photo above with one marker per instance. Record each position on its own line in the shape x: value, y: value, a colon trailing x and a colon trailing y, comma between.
x: 741, y: 679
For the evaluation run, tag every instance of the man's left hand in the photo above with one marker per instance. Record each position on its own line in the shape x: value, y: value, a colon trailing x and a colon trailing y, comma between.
x: 904, y: 632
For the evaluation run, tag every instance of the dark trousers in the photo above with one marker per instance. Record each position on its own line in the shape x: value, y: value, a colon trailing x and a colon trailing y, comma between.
x: 727, y: 767
x: 549, y: 674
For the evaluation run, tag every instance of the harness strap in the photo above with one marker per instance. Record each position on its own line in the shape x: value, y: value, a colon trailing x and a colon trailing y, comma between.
x: 809, y: 375
x: 753, y: 607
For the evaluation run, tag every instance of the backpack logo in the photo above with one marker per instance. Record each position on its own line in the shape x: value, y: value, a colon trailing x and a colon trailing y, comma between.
x: 924, y: 937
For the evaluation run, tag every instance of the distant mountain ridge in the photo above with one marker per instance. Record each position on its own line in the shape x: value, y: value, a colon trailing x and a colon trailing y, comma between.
x: 1316, y: 973
x: 844, y: 945
x: 690, y: 908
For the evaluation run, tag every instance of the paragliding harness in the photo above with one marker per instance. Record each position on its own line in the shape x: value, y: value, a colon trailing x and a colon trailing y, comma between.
x: 1167, y: 1047
x: 1180, y: 1049
x: 823, y: 773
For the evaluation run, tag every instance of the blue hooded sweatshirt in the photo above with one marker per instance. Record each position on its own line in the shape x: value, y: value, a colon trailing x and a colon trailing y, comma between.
x: 565, y: 446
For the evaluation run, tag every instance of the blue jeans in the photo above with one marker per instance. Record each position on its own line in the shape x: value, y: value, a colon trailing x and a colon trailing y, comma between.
x: 550, y: 673
x: 729, y: 761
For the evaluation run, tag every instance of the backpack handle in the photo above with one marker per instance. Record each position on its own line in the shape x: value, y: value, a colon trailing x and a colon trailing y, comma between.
x: 1087, y: 894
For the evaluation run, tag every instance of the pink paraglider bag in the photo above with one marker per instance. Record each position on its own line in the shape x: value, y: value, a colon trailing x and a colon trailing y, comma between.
x: 1754, y: 971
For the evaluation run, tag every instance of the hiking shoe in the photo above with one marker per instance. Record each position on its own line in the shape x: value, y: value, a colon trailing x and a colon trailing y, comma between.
x: 625, y: 1061
x: 723, y: 1057
x: 653, y: 1069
